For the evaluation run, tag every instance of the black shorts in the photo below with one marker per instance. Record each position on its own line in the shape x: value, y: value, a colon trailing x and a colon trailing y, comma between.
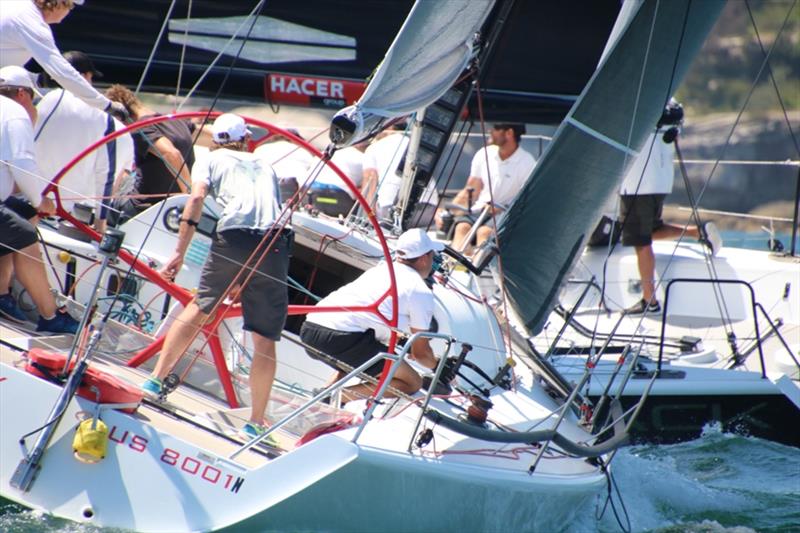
x: 640, y: 216
x: 16, y: 233
x: 265, y: 298
x: 21, y: 206
x: 351, y: 347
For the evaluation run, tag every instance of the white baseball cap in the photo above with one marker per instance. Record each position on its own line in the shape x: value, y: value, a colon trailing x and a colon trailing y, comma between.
x: 414, y: 243
x: 16, y: 76
x: 229, y: 128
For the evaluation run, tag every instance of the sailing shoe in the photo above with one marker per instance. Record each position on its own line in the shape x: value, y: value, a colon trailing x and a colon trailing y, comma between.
x: 709, y: 235
x: 641, y: 307
x: 10, y: 310
x: 61, y: 323
x: 152, y: 387
x: 251, y: 431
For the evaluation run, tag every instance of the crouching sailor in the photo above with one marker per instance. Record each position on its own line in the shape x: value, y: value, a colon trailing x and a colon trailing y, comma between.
x: 247, y: 189
x: 354, y: 338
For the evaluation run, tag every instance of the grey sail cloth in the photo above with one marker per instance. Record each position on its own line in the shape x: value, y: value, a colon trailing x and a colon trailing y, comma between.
x: 427, y: 56
x: 547, y: 225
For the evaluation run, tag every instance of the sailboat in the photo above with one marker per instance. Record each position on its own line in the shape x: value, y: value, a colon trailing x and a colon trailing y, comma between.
x: 725, y: 348
x: 508, y: 448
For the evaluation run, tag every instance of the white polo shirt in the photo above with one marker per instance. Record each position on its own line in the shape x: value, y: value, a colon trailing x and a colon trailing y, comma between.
x: 507, y: 175
x: 66, y: 126
x: 24, y: 35
x: 384, y: 156
x: 350, y: 162
x: 287, y: 159
x: 653, y: 175
x: 415, y: 302
x: 17, y: 155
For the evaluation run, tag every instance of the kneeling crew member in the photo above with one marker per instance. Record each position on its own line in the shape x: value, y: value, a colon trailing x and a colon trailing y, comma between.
x: 354, y: 338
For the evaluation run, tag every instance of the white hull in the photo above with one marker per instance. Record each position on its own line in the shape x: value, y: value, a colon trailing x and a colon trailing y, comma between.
x: 697, y: 385
x: 156, y: 477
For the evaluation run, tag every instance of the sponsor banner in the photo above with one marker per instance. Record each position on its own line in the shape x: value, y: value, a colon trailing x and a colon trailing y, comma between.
x: 308, y: 90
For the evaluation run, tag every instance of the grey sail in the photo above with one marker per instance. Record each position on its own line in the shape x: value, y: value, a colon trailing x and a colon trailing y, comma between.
x: 429, y: 53
x: 545, y: 229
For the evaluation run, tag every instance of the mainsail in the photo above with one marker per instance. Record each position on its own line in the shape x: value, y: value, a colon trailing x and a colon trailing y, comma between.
x: 545, y: 229
x: 425, y: 59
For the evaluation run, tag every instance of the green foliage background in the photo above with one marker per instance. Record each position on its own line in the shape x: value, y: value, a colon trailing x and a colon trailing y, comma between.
x: 724, y: 71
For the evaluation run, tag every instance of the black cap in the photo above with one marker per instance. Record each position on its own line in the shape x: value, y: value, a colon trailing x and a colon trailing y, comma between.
x: 82, y: 63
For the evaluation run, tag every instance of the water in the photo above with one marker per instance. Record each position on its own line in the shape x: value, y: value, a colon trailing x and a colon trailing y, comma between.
x: 757, y: 240
x: 719, y: 483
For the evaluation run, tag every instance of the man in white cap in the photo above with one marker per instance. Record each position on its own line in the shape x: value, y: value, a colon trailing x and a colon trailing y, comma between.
x: 356, y: 337
x: 246, y: 188
x: 25, y: 33
x: 19, y: 244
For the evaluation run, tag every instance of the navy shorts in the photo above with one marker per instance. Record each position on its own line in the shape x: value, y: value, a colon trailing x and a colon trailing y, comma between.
x: 265, y: 297
x: 640, y: 216
x: 16, y: 233
x: 351, y: 347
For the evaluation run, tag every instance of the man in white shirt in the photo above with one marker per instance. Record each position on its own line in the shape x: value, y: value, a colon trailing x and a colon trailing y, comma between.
x: 25, y: 33
x: 67, y: 126
x: 497, y: 174
x: 246, y: 188
x: 642, y: 193
x: 383, y: 177
x: 356, y: 337
x: 19, y: 243
x: 328, y: 193
x: 287, y: 159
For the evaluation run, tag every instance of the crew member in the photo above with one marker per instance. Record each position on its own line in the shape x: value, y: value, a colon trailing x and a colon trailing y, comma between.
x: 25, y: 33
x: 247, y: 189
x: 18, y: 238
x: 355, y: 337
x: 497, y: 174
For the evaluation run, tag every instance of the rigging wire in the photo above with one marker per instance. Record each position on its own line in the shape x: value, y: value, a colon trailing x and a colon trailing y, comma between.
x: 254, y: 14
x: 183, y: 50
x: 771, y: 74
x: 155, y: 47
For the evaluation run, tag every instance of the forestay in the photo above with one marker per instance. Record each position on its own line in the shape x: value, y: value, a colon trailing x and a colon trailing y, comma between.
x: 547, y: 225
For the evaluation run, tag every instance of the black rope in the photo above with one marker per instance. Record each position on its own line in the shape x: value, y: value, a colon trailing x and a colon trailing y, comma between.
x: 611, y: 488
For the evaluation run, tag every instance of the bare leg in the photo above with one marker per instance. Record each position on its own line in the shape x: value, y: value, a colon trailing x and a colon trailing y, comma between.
x: 462, y: 228
x: 262, y: 374
x: 671, y: 231
x: 646, y: 260
x: 179, y: 337
x: 405, y: 380
x: 484, y: 232
x: 31, y: 274
x: 6, y: 272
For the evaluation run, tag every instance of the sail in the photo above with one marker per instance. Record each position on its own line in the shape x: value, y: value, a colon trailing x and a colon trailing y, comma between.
x: 426, y: 57
x: 429, y: 53
x: 544, y: 230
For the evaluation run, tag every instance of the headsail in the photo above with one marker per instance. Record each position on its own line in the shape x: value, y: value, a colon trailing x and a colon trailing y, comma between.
x: 546, y: 227
x: 425, y: 59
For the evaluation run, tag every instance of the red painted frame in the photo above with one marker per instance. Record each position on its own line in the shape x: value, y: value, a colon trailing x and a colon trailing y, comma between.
x: 209, y: 330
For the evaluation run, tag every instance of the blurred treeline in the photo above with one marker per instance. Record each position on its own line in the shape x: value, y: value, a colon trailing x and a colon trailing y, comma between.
x: 724, y: 71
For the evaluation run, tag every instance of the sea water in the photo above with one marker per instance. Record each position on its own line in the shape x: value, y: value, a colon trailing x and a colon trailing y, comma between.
x: 718, y: 483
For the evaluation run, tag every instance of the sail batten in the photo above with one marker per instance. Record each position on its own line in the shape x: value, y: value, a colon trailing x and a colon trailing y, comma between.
x: 543, y: 231
x: 608, y: 140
